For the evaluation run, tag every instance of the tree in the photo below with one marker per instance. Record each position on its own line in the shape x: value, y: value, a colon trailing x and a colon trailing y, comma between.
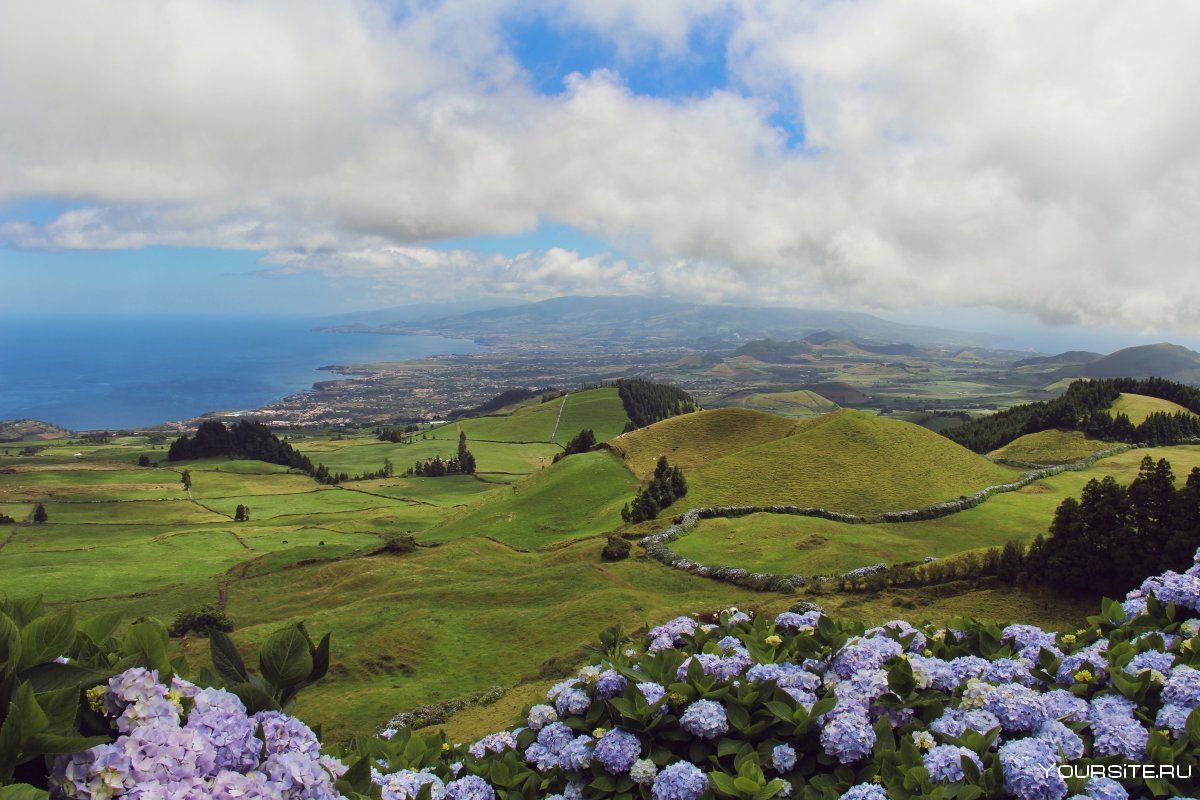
x: 1009, y: 565
x: 241, y: 513
x: 143, y: 461
x: 466, y: 461
x: 186, y: 477
x: 39, y: 514
x: 582, y: 442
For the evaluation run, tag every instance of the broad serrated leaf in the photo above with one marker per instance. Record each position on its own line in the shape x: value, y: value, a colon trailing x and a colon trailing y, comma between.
x: 285, y: 658
x: 46, y: 638
x: 226, y: 659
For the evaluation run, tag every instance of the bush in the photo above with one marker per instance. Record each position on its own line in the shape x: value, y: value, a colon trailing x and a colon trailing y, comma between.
x: 398, y: 543
x: 616, y: 549
x: 199, y: 620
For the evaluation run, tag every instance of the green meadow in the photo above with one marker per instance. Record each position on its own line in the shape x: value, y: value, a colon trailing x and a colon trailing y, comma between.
x: 507, y: 578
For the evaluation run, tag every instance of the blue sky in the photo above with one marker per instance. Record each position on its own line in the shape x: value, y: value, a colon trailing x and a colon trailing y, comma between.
x: 942, y: 159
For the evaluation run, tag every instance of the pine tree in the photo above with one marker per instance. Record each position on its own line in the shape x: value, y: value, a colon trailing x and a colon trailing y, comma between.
x: 39, y: 514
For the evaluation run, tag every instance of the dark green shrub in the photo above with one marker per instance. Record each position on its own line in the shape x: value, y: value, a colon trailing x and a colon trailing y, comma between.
x: 398, y: 543
x: 616, y: 549
x: 199, y: 620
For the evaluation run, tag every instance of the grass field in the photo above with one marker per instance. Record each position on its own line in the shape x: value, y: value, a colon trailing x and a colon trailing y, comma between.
x: 1055, y: 446
x: 598, y: 409
x: 850, y: 461
x: 801, y: 403
x: 692, y: 440
x: 1138, y: 406
x: 579, y: 496
x: 809, y: 546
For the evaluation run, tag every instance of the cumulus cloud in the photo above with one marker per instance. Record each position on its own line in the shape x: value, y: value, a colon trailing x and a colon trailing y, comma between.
x: 1040, y: 155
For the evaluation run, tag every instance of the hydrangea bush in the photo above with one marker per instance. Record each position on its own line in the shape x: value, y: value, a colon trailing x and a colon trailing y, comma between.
x: 797, y: 706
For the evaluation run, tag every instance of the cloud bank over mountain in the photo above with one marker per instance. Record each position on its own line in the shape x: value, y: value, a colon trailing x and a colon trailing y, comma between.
x: 1038, y: 157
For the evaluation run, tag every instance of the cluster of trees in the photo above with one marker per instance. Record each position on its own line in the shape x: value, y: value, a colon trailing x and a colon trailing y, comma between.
x: 144, y: 461
x: 322, y: 474
x: 95, y: 438
x: 5, y: 519
x: 582, y: 442
x: 1084, y: 406
x: 1109, y: 539
x: 462, y: 464
x: 396, y: 434
x: 241, y: 513
x: 245, y: 439
x: 667, y: 486
x: 647, y: 403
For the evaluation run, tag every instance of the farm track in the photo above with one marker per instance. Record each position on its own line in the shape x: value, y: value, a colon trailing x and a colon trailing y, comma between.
x: 558, y: 419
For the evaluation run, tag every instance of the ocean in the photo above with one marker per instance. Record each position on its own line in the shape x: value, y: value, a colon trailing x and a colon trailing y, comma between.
x: 90, y: 372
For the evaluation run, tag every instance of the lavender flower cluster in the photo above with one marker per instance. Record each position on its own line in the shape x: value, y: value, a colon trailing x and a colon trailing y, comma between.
x: 181, y: 742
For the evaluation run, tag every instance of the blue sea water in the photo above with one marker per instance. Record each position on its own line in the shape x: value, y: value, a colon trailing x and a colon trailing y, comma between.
x: 116, y: 372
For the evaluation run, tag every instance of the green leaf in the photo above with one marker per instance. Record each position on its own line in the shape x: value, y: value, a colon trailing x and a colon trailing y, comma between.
x: 50, y: 676
x: 254, y: 697
x: 23, y: 791
x: 52, y: 744
x: 1193, y: 726
x: 723, y: 783
x: 102, y: 627
x: 10, y: 646
x: 226, y: 659
x: 285, y: 658
x: 147, y: 640
x: 320, y: 660
x: 61, y: 707
x: 46, y: 638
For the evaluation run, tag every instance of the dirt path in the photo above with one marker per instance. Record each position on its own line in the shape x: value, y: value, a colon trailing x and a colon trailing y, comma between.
x: 559, y: 418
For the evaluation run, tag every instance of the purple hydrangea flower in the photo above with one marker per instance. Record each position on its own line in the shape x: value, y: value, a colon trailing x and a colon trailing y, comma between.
x: 679, y: 781
x: 705, y: 719
x: 1152, y: 660
x: 284, y: 734
x: 653, y: 692
x: 572, y: 702
x: 495, y: 743
x: 900, y: 629
x: 577, y: 756
x: 954, y: 722
x: 1111, y: 705
x: 1090, y: 660
x: 944, y: 762
x: 672, y: 633
x: 784, y: 676
x: 1173, y: 718
x: 294, y: 774
x: 541, y: 757
x: 860, y: 654
x: 967, y: 667
x: 617, y: 750
x: 1062, y: 705
x: 230, y: 785
x: 1105, y: 789
x: 540, y: 716
x: 865, y: 791
x: 1023, y: 636
x: 1009, y: 670
x: 555, y: 737
x: 233, y: 736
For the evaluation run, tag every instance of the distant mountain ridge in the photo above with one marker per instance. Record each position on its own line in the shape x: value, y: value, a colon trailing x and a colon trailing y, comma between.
x: 16, y: 430
x: 1163, y: 360
x: 672, y: 322
x: 1069, y: 357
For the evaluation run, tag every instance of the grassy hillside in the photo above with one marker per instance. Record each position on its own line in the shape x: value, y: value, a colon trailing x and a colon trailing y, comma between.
x: 579, y: 496
x: 1138, y: 406
x: 802, y: 403
x: 692, y: 440
x: 776, y: 543
x: 846, y: 461
x: 1055, y: 446
x: 598, y: 409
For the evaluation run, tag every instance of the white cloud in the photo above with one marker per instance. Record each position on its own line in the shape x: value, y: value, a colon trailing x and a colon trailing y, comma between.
x: 1033, y: 156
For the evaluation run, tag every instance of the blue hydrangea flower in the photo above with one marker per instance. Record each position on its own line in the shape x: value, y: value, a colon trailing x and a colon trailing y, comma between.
x: 967, y: 667
x: 653, y: 692
x: 229, y: 785
x: 610, y: 683
x: 785, y: 676
x: 1088, y: 660
x: 494, y: 743
x: 1182, y: 590
x: 848, y: 736
x: 233, y: 736
x: 472, y: 787
x: 944, y: 762
x: 1182, y: 687
x: 933, y: 673
x: 1018, y: 707
x: 1024, y: 636
x: 1062, y: 705
x: 1105, y: 789
x: 859, y: 654
x: 705, y: 719
x: 865, y: 791
x: 1112, y: 705
x: 617, y: 750
x: 783, y: 758
x: 793, y: 621
x: 572, y: 702
x: 541, y: 757
x: 954, y: 722
x: 1151, y: 660
x: 1119, y: 736
x: 1009, y: 670
x: 294, y: 775
x: 577, y: 756
x: 672, y: 633
x: 405, y: 784
x: 555, y: 737
x: 1173, y: 718
x: 900, y: 629
x: 1062, y: 739
x: 679, y: 781
x: 1029, y: 773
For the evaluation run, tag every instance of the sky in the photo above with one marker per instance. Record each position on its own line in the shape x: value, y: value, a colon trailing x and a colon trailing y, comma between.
x: 1033, y: 163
